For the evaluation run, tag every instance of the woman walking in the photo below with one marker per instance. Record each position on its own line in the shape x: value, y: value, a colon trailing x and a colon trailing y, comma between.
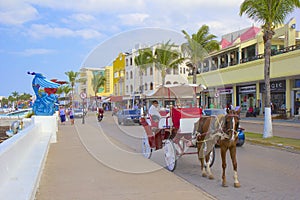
x: 62, y: 114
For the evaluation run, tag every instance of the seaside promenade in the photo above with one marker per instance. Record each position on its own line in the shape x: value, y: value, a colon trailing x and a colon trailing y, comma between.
x: 74, y: 169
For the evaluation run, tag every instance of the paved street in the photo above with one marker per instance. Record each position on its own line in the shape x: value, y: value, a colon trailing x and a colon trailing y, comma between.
x: 86, y: 165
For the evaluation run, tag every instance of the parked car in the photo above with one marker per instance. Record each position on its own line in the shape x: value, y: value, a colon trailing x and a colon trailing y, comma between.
x: 129, y: 116
x: 78, y: 113
x: 241, y: 135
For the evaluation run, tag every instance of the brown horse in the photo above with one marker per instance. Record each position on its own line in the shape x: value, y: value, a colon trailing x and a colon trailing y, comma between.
x: 207, y: 131
x: 230, y: 129
x: 222, y: 128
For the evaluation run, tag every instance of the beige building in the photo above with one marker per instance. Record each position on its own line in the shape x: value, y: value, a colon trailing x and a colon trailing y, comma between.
x: 235, y: 74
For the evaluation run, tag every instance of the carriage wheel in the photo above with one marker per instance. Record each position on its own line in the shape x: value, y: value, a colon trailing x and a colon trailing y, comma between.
x: 146, y: 149
x: 170, y: 155
x: 211, y: 159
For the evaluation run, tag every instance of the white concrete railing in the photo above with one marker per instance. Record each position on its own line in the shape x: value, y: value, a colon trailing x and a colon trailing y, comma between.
x: 22, y: 158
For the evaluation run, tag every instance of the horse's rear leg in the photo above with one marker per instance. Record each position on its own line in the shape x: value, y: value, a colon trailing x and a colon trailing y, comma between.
x: 223, y: 156
x: 234, y: 164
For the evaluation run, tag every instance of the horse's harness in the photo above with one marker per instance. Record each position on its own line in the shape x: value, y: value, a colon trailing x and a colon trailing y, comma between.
x: 222, y: 131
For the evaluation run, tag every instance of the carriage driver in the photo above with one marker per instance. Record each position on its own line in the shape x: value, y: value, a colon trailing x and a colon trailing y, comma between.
x: 154, y: 111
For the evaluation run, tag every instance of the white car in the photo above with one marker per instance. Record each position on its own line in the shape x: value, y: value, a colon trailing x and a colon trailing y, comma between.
x: 78, y: 113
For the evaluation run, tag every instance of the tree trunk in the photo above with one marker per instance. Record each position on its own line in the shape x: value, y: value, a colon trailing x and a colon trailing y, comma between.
x: 268, y: 115
x: 194, y: 82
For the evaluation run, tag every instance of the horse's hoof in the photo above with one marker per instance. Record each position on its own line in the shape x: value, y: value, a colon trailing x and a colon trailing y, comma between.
x: 224, y: 185
x: 204, y: 175
x: 211, y: 177
x: 237, y: 185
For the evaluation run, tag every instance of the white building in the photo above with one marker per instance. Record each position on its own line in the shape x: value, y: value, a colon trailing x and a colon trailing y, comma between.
x: 137, y: 83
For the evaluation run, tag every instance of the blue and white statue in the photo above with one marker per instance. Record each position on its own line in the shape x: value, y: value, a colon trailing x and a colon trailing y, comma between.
x: 46, y: 102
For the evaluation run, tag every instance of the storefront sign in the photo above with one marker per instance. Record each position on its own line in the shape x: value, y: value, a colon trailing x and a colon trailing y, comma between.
x: 275, y: 86
x: 225, y: 90
x: 247, y: 89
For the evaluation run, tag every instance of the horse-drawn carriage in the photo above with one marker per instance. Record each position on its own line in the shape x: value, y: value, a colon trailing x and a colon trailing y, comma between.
x: 183, y: 130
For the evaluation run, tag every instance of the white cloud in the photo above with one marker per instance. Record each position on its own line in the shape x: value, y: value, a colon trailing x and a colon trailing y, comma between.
x: 32, y: 52
x: 13, y: 13
x: 133, y: 19
x: 40, y: 31
x: 81, y: 18
x: 88, y: 34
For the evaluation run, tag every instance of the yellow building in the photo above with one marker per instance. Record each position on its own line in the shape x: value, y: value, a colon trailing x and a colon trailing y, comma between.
x: 86, y: 86
x: 235, y: 74
x: 118, y: 70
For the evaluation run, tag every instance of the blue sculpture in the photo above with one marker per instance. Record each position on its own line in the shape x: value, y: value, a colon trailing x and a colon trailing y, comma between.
x: 46, y: 102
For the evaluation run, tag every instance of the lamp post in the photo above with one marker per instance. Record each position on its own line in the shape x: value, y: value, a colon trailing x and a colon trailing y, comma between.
x: 83, y: 97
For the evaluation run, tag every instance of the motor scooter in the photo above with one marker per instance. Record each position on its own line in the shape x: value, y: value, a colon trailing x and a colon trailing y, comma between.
x: 100, y: 117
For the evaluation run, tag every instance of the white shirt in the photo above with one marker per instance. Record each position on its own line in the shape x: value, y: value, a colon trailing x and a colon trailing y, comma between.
x: 154, y: 110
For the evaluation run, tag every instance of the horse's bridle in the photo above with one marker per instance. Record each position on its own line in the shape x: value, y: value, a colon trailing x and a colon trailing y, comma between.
x: 234, y: 129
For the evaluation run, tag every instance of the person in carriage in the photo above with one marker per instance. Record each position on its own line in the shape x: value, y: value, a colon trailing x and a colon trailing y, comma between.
x: 154, y: 111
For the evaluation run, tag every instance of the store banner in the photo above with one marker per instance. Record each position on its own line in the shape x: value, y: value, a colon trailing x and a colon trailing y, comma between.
x: 247, y: 89
x: 275, y: 86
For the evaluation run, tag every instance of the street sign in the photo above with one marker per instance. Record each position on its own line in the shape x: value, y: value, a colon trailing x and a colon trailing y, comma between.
x: 83, y: 95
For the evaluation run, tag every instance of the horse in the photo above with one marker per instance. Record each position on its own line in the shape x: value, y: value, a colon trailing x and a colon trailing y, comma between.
x: 207, y: 131
x: 222, y: 129
x: 230, y: 129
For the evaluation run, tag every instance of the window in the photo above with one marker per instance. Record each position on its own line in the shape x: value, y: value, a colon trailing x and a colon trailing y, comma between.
x: 168, y: 83
x: 297, y: 83
x: 131, y: 89
x: 151, y: 70
x: 122, y: 73
x: 146, y: 86
x: 168, y: 70
x: 175, y: 71
x: 131, y: 76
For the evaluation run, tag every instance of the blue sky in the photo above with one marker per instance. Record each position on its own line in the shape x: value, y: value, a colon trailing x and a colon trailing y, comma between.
x: 52, y: 37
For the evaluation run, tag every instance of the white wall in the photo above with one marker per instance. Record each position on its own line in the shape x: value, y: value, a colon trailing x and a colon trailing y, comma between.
x: 22, y: 158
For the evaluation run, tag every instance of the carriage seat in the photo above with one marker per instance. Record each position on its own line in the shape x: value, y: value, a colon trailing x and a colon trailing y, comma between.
x: 163, y: 122
x: 184, y: 118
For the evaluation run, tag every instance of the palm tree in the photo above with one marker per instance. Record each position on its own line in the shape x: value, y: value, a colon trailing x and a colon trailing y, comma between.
x: 73, y: 78
x: 271, y: 13
x: 166, y: 56
x: 143, y: 60
x: 11, y: 99
x: 98, y: 81
x: 16, y: 95
x: 198, y: 47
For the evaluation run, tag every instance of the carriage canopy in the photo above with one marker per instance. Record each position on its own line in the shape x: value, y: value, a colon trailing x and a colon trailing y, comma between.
x: 176, y: 90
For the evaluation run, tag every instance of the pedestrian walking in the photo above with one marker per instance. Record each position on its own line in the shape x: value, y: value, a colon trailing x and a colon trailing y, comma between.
x: 62, y: 114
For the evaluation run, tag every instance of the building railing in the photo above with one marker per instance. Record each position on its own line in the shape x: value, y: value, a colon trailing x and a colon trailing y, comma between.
x: 249, y: 59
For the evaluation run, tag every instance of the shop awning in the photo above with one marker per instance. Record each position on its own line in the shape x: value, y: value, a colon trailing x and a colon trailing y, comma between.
x: 116, y: 98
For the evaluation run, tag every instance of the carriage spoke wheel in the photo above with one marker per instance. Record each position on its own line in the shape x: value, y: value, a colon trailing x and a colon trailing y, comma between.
x: 211, y: 159
x: 146, y: 149
x: 170, y: 155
